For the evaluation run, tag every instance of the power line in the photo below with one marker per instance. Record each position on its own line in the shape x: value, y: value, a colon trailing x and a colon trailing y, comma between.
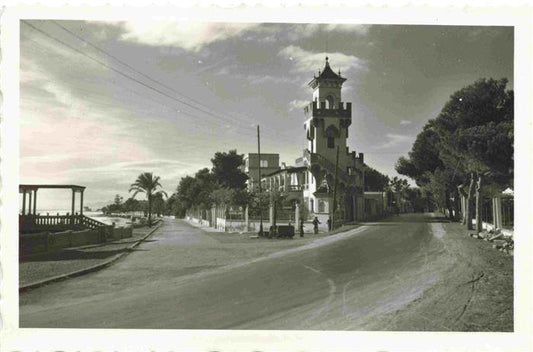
x: 209, y: 110
x: 124, y: 74
x: 158, y: 104
x: 146, y: 97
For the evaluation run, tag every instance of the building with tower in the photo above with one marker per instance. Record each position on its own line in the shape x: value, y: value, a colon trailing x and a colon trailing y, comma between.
x: 315, y: 185
x: 327, y: 124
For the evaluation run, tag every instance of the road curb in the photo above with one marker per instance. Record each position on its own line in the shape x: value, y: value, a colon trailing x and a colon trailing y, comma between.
x: 90, y: 269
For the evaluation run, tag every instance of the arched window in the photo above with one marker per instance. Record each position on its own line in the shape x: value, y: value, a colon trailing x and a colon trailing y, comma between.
x: 330, y: 102
x: 321, y: 206
x: 331, y: 142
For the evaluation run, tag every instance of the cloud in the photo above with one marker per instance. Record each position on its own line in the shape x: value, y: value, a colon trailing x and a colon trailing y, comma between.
x: 301, y: 31
x: 405, y: 122
x: 191, y: 36
x: 306, y: 61
x: 259, y: 79
x: 254, y: 79
x: 297, y: 104
x: 395, y: 140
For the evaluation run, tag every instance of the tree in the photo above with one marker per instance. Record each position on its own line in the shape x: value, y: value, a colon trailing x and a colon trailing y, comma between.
x: 468, y: 147
x: 258, y: 203
x: 227, y: 169
x: 276, y: 200
x: 424, y: 156
x: 398, y: 187
x: 148, y: 184
x: 158, y: 203
x: 131, y: 204
x: 476, y: 132
x: 203, y: 187
x: 118, y: 200
x: 224, y: 184
x: 197, y: 191
x: 425, y: 166
x: 375, y: 181
x: 185, y: 192
x: 174, y: 207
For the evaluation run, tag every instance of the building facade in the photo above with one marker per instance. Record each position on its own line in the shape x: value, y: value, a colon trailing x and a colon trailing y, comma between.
x: 269, y: 163
x: 331, y: 189
x: 315, y: 183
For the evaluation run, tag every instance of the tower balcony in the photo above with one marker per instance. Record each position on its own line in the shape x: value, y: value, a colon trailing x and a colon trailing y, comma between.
x: 341, y: 110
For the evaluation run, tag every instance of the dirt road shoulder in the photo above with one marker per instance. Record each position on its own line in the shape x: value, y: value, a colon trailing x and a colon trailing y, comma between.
x: 474, y: 294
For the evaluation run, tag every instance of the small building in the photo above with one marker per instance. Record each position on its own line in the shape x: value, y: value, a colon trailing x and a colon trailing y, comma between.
x: 289, y: 180
x: 269, y: 164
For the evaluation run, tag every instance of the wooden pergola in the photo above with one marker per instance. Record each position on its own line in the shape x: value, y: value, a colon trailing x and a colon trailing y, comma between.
x: 30, y: 207
x: 30, y: 221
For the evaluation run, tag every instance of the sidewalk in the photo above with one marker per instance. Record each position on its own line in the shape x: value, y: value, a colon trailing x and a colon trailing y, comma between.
x: 248, y: 240
x: 308, y: 229
x: 76, y: 261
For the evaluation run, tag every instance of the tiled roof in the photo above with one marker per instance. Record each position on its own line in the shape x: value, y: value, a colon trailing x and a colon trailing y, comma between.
x: 328, y: 73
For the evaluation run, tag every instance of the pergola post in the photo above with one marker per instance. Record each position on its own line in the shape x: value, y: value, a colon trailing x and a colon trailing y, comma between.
x: 35, y: 202
x: 29, y: 204
x: 81, y: 203
x: 23, y: 202
x: 72, y: 208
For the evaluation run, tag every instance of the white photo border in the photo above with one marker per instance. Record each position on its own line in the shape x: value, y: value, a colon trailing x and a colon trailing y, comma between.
x: 386, y: 12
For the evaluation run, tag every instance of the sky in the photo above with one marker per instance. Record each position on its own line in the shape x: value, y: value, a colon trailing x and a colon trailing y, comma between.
x: 102, y: 102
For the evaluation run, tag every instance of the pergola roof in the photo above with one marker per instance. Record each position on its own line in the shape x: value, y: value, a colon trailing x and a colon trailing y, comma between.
x: 23, y: 188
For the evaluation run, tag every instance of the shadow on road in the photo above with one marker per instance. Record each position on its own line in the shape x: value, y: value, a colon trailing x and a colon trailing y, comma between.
x: 77, y: 255
x: 411, y: 217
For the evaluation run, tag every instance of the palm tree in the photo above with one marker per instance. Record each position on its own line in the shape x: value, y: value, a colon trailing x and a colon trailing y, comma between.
x: 147, y: 183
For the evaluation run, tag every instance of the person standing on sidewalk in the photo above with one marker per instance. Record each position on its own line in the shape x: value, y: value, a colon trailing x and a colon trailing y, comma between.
x: 301, y: 227
x: 329, y: 223
x: 315, y: 224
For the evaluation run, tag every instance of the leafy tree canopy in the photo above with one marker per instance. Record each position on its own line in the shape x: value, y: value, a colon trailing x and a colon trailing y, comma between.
x: 476, y: 130
x: 227, y: 169
x: 149, y: 184
x: 424, y: 156
x: 375, y: 181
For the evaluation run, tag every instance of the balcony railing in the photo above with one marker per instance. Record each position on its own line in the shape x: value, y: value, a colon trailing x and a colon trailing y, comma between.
x: 29, y: 222
x: 315, y: 158
x: 340, y: 110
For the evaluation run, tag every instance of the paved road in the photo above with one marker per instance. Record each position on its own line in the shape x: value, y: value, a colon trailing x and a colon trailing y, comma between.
x: 341, y: 282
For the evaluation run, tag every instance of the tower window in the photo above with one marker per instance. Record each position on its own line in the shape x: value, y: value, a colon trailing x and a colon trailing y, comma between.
x: 331, y: 142
x: 330, y: 102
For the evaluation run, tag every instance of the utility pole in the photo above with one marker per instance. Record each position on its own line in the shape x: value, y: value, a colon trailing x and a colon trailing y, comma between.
x: 335, y: 189
x: 355, y: 189
x: 363, y: 187
x: 260, y: 191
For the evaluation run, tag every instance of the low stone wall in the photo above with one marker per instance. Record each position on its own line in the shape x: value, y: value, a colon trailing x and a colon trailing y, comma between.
x: 43, y: 242
x: 198, y: 221
x: 490, y: 227
x: 118, y: 233
x: 33, y: 243
x: 82, y: 238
